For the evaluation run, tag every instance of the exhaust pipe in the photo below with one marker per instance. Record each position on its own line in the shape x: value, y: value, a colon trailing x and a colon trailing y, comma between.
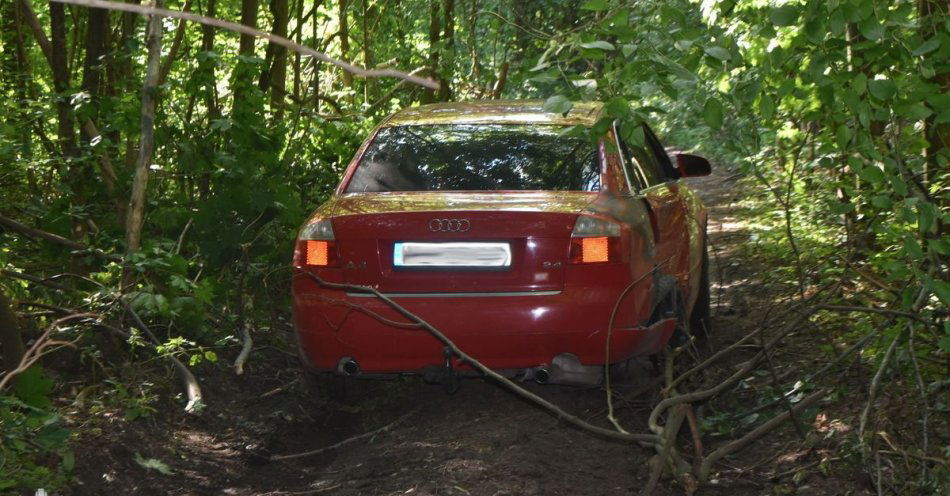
x: 348, y: 366
x: 542, y: 376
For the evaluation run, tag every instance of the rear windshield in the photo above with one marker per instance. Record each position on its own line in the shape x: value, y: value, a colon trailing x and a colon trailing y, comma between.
x: 476, y: 157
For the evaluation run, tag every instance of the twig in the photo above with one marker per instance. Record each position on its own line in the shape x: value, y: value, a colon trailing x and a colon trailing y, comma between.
x: 35, y: 352
x: 240, y: 28
x: 610, y: 328
x: 192, y: 389
x: 246, y: 346
x: 925, y: 411
x: 344, y: 442
x: 875, y: 384
x: 181, y: 237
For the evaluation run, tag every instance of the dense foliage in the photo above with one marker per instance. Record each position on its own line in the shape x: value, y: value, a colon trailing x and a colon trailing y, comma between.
x: 837, y: 110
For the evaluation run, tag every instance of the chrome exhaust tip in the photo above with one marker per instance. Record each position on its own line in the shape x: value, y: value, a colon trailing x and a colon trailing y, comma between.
x: 542, y: 376
x: 348, y: 366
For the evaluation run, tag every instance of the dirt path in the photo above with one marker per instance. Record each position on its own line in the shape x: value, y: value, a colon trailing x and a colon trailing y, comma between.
x: 481, y: 441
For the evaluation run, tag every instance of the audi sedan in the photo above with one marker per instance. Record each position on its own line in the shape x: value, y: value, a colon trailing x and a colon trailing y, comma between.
x: 537, y: 249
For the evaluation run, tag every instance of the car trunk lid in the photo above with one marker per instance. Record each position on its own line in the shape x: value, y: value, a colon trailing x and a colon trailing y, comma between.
x: 373, y: 231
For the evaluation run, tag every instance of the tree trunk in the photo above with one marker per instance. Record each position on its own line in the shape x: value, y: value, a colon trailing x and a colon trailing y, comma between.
x: 298, y: 33
x: 345, y: 41
x: 278, y: 72
x: 136, y: 213
x: 245, y: 49
x: 428, y: 96
x: 369, y: 13
x: 932, y: 14
x: 11, y: 342
x: 448, y: 69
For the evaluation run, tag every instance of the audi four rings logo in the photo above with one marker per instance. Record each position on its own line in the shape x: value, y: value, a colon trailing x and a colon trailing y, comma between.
x: 449, y: 225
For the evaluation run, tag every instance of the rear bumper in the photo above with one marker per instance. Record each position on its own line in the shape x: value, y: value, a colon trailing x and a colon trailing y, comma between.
x: 503, y: 331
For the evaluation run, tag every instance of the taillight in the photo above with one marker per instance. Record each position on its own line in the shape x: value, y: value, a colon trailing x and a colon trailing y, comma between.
x: 594, y: 240
x: 316, y: 246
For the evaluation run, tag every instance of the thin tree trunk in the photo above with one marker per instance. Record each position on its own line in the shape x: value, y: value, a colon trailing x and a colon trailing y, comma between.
x: 11, y: 342
x: 345, y: 41
x: 136, y: 214
x: 166, y: 66
x: 298, y: 37
x: 428, y: 96
x: 278, y: 72
x: 245, y: 49
x: 448, y: 69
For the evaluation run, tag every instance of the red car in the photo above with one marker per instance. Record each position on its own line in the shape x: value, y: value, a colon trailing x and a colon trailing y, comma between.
x: 522, y: 242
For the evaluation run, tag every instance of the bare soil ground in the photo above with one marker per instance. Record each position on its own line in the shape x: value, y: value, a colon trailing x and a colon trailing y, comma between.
x: 480, y: 441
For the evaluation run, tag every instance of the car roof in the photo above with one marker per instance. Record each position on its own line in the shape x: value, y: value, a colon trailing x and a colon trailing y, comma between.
x: 495, y: 112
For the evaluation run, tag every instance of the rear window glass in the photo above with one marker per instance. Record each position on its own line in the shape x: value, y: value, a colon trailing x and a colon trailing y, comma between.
x: 476, y: 157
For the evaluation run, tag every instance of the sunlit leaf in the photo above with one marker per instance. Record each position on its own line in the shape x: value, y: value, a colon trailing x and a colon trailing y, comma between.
x: 598, y: 45
x: 718, y: 52
x: 558, y: 104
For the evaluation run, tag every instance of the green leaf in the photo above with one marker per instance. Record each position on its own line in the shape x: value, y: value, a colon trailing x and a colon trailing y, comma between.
x: 859, y: 83
x: 682, y: 45
x: 926, y: 215
x: 634, y: 135
x: 912, y: 248
x: 766, y: 107
x: 595, y: 5
x: 871, y: 28
x: 598, y: 45
x: 712, y: 113
x: 941, y: 289
x: 871, y: 174
x: 882, y: 202
x: 913, y: 111
x: 153, y: 464
x: 718, y: 52
x: 558, y: 104
x: 926, y: 47
x: 33, y: 387
x: 843, y: 135
x: 882, y: 89
x: 785, y: 15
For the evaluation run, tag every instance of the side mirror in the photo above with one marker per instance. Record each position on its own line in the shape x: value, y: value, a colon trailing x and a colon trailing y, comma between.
x: 690, y: 165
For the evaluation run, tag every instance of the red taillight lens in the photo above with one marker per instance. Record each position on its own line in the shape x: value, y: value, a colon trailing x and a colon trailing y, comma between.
x: 600, y: 249
x: 315, y: 253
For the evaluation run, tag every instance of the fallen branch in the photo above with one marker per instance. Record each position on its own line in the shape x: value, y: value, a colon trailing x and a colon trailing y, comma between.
x: 55, y: 238
x: 648, y: 439
x: 742, y: 442
x: 344, y: 442
x: 240, y: 28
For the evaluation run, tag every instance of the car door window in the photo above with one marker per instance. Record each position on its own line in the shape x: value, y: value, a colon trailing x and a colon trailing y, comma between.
x: 633, y: 174
x: 640, y: 164
x: 662, y: 159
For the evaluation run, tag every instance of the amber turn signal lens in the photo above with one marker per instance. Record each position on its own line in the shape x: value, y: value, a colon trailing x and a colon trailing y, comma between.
x: 318, y: 253
x: 594, y: 250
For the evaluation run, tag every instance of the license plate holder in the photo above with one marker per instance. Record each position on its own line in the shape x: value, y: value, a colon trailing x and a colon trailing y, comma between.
x: 455, y: 255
